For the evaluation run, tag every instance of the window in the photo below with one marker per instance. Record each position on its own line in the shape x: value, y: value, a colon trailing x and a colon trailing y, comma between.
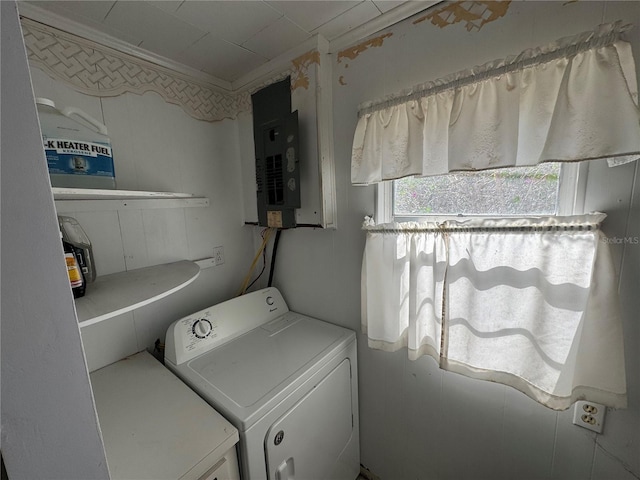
x: 545, y: 189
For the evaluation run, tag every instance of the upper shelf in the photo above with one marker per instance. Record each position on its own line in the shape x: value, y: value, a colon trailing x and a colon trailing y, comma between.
x: 89, y: 200
x: 117, y: 293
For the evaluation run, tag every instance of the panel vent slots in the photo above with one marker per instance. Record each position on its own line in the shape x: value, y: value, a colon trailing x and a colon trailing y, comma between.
x: 275, y: 183
x: 259, y: 176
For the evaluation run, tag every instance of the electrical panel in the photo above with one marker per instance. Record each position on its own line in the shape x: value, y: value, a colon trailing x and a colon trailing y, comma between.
x: 275, y: 135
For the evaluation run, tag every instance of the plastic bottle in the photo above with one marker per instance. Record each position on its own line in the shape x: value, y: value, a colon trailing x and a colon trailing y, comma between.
x: 76, y: 277
x: 75, y: 236
x: 77, y: 147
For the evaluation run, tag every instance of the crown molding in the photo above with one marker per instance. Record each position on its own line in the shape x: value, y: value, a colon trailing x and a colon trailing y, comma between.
x: 54, y: 20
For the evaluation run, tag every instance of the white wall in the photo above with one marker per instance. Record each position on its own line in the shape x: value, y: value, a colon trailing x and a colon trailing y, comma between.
x: 158, y: 147
x: 49, y: 423
x: 418, y: 422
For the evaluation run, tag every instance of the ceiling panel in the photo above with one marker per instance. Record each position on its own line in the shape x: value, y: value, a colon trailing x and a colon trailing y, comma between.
x: 276, y: 39
x: 88, y: 16
x: 160, y: 32
x: 386, y: 5
x: 352, y: 18
x: 309, y: 15
x: 235, y: 22
x: 169, y: 6
x: 96, y: 10
x: 221, y: 59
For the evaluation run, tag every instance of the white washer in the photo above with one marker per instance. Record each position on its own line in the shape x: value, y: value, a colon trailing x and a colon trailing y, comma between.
x: 154, y: 427
x: 286, y: 381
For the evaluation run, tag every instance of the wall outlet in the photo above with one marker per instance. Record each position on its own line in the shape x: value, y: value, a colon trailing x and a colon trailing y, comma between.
x: 218, y: 255
x: 589, y: 415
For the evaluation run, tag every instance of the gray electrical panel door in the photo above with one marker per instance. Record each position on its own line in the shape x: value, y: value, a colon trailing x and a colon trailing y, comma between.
x: 275, y: 134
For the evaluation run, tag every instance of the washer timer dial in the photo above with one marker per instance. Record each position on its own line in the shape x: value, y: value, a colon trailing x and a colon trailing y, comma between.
x: 201, y: 328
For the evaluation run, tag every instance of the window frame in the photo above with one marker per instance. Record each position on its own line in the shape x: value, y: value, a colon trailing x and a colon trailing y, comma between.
x: 571, y: 198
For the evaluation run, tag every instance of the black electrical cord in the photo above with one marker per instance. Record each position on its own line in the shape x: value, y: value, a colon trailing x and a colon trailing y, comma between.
x: 264, y: 262
x: 273, y: 256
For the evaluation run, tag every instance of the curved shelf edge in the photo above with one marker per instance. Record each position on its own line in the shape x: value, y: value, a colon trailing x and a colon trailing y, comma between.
x: 62, y: 193
x: 69, y: 200
x: 118, y: 293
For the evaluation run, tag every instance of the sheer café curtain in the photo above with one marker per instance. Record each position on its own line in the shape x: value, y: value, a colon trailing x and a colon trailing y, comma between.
x: 526, y: 302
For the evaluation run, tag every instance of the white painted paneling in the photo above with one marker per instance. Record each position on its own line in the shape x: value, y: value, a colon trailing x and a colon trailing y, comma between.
x: 574, y: 449
x: 622, y: 428
x: 165, y: 235
x: 248, y: 159
x: 527, y: 456
x: 425, y: 426
x: 146, y: 134
x: 609, y: 190
x: 304, y: 100
x: 107, y: 342
x: 374, y: 397
x: 133, y: 239
x: 103, y: 229
x: 473, y: 412
x: 315, y: 268
x: 49, y: 423
x: 607, y: 467
x: 62, y: 96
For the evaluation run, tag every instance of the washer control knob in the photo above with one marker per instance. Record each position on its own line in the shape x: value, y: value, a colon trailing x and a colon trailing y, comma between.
x: 202, y: 328
x: 270, y: 301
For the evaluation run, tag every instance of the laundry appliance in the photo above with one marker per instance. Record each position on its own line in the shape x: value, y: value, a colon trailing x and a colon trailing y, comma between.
x: 286, y: 381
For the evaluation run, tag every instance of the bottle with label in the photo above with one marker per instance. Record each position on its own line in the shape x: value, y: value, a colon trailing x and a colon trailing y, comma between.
x: 77, y: 147
x: 75, y: 236
x: 76, y: 277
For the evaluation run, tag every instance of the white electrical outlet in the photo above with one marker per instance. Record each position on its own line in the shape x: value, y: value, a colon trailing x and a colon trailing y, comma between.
x: 218, y: 255
x: 589, y: 415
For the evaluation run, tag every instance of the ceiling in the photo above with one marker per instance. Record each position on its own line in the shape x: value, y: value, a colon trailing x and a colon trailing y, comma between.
x: 224, y: 39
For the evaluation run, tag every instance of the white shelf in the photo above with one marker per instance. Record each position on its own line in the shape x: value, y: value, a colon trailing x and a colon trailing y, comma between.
x: 91, y: 200
x: 114, y: 294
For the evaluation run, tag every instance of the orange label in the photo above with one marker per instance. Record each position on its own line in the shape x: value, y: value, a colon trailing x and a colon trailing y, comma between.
x: 73, y: 271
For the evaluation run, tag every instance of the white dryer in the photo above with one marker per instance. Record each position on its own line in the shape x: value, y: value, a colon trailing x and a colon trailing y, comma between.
x: 286, y: 381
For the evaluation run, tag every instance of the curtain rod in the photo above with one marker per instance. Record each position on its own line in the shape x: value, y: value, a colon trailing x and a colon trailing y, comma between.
x: 524, y: 229
x: 604, y: 35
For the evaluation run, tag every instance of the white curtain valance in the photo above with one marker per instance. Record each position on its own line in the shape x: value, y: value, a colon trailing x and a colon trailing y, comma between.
x: 530, y: 303
x: 576, y: 99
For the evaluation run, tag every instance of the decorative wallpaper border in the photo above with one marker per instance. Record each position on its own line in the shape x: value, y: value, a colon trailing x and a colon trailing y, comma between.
x: 101, y: 71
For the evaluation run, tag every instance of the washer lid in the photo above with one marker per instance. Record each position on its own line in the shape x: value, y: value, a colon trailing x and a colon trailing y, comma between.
x: 253, y: 368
